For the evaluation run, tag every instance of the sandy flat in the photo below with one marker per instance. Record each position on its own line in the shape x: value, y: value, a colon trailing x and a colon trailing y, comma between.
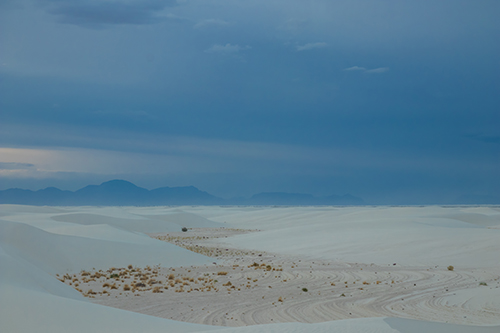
x: 351, y: 269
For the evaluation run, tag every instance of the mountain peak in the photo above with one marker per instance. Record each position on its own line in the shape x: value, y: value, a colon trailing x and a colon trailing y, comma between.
x: 118, y: 183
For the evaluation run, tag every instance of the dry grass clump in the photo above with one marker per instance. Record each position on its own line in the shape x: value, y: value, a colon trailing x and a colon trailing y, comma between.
x: 106, y: 285
x: 171, y: 276
x: 451, y: 268
x: 126, y: 287
x: 157, y: 289
x: 222, y: 273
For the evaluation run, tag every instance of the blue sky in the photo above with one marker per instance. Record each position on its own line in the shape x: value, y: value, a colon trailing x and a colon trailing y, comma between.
x: 393, y: 101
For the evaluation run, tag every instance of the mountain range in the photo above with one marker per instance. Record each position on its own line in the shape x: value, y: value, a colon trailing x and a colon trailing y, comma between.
x: 124, y: 193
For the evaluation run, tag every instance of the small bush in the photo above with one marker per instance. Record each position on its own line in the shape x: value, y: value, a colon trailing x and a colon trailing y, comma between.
x: 126, y: 287
x: 184, y: 229
x: 483, y: 284
x: 304, y: 290
x: 222, y: 273
x: 112, y: 276
x: 450, y: 268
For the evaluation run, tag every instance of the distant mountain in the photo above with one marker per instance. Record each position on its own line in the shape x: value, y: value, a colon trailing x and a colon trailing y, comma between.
x: 111, y: 193
x: 123, y: 193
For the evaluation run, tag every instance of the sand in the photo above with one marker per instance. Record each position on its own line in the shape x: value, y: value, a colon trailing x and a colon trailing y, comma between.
x: 250, y: 269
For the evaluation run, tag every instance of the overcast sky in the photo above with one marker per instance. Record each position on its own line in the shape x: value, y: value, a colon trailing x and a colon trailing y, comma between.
x: 393, y: 101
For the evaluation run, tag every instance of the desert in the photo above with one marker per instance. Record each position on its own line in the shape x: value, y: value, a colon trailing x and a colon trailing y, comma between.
x: 250, y: 269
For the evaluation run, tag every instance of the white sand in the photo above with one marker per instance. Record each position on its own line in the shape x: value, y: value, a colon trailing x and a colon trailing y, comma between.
x: 342, y: 244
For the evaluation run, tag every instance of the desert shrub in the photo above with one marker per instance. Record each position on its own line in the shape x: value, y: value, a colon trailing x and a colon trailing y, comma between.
x: 106, y: 285
x: 222, y: 273
x: 483, y: 284
x: 304, y: 290
x: 139, y: 285
x: 112, y: 276
x: 450, y: 268
x: 343, y: 295
x: 184, y: 229
x: 171, y: 277
x: 130, y: 266
x: 126, y: 287
x: 157, y: 290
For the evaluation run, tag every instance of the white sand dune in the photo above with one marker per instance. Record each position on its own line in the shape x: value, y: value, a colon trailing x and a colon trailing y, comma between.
x: 382, y: 235
x: 37, y: 243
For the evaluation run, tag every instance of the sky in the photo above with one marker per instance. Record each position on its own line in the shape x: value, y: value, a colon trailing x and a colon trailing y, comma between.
x: 396, y: 102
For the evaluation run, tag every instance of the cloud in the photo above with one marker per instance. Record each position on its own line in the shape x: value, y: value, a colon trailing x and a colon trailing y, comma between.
x: 93, y: 13
x: 310, y: 46
x: 377, y: 70
x: 355, y: 68
x: 226, y: 49
x: 369, y: 71
x: 210, y: 23
x: 15, y: 166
